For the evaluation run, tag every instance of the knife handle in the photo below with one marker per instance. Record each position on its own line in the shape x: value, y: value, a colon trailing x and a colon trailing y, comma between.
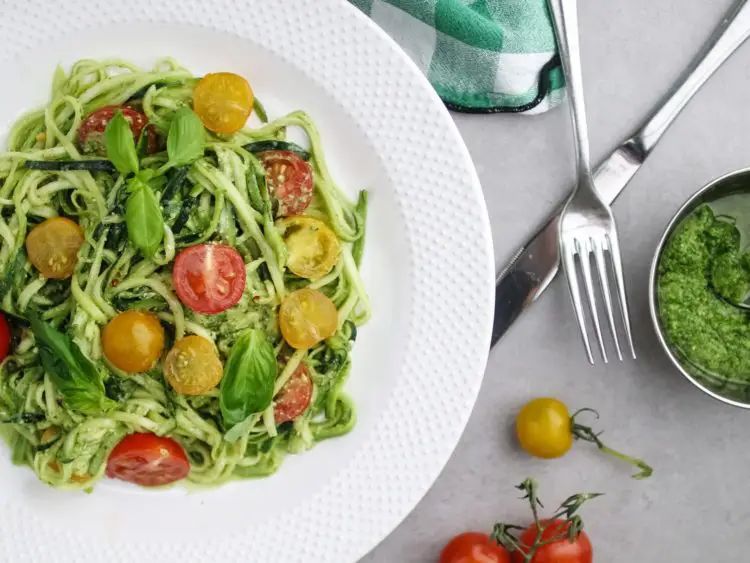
x: 731, y: 33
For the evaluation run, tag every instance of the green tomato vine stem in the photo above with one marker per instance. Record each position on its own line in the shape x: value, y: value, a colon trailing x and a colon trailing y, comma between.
x: 505, y: 534
x: 587, y: 434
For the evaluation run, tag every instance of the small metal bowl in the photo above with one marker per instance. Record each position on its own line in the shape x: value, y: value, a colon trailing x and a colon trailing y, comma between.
x: 733, y: 182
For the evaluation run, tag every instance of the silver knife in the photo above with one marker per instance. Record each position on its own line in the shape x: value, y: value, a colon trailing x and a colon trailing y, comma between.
x: 536, y: 263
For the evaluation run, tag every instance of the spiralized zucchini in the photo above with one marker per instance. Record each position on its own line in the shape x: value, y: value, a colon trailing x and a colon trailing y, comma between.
x: 214, y: 199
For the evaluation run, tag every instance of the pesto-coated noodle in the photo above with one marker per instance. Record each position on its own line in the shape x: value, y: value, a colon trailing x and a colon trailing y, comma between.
x: 214, y: 199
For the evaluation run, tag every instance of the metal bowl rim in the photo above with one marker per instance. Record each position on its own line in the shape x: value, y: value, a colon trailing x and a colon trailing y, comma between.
x: 681, y: 213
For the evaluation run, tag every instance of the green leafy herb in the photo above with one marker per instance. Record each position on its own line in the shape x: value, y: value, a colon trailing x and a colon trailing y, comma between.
x: 174, y: 186
x: 249, y: 376
x: 24, y: 418
x: 120, y: 144
x: 143, y: 216
x: 186, y: 139
x: 76, y: 377
x: 119, y: 388
x: 566, y: 523
x: 142, y: 146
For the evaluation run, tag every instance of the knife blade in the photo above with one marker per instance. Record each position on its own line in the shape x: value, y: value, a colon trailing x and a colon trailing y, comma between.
x: 533, y: 267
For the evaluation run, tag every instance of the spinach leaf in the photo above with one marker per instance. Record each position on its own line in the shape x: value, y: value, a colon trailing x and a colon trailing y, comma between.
x: 120, y: 143
x: 177, y: 179
x: 119, y: 388
x: 249, y: 376
x: 96, y: 165
x: 186, y: 139
x: 24, y: 418
x: 143, y: 216
x: 15, y: 265
x: 184, y: 214
x: 76, y: 377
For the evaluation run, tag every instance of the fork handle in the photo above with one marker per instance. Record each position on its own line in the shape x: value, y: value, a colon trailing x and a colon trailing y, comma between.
x: 565, y: 16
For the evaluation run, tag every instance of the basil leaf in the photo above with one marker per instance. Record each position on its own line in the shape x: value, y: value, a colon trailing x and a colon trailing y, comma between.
x: 186, y: 139
x: 76, y: 377
x: 143, y: 216
x: 120, y: 144
x: 249, y: 377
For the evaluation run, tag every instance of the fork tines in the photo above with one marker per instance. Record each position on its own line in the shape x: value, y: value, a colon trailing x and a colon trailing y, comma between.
x: 604, y: 248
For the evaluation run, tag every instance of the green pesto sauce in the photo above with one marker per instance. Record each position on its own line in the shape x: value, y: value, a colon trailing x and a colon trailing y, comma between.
x: 702, y: 271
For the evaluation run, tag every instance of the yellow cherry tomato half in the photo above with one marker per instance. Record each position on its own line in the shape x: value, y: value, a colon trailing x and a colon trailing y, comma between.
x: 133, y: 341
x: 52, y: 247
x: 544, y: 428
x: 223, y: 101
x: 192, y: 366
x: 313, y: 247
x: 306, y: 317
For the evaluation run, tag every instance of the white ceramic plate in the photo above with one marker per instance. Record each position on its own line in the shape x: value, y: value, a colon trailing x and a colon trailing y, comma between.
x: 428, y: 267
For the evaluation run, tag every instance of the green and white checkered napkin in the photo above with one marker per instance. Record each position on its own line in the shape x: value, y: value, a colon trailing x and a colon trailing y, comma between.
x: 480, y: 55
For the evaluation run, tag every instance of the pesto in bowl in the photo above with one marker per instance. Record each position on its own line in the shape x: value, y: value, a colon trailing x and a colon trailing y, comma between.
x: 703, y: 273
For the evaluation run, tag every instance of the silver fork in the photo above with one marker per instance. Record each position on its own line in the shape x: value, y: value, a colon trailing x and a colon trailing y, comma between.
x: 587, y: 226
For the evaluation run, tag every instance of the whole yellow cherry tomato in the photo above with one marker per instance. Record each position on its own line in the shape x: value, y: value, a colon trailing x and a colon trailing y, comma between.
x: 313, y: 247
x: 192, y: 366
x: 544, y: 429
x: 306, y: 317
x: 52, y: 247
x: 133, y: 341
x: 223, y: 101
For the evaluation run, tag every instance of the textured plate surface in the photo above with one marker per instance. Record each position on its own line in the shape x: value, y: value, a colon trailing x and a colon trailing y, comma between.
x: 428, y: 266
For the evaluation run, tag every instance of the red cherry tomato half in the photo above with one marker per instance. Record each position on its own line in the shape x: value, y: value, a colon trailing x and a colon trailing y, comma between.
x: 294, y: 397
x: 209, y: 278
x: 91, y: 131
x: 474, y: 547
x: 4, y: 337
x: 289, y: 179
x: 148, y: 460
x: 562, y: 551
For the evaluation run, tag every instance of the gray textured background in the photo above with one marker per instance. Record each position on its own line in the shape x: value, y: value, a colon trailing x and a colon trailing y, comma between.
x: 696, y: 507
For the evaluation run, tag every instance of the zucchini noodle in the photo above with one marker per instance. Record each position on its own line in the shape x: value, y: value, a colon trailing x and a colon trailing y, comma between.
x: 215, y: 202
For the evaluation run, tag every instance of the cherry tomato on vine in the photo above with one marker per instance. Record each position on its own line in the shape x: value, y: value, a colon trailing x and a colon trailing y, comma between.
x: 544, y: 429
x: 474, y: 547
x: 560, y: 551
